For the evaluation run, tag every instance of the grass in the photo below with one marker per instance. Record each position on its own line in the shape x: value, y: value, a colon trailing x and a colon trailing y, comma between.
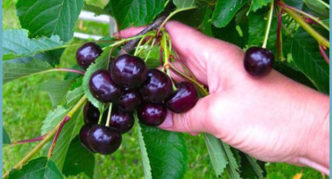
x: 25, y: 107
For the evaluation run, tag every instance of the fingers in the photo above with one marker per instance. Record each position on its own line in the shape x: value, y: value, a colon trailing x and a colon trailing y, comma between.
x: 193, y: 121
x: 131, y: 31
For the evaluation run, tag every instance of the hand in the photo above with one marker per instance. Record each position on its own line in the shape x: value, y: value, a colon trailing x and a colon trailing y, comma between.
x: 271, y: 118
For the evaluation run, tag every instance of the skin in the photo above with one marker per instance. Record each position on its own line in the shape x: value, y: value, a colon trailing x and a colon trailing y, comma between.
x: 272, y: 118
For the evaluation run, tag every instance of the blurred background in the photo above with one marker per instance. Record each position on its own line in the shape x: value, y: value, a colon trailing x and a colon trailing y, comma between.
x: 25, y: 105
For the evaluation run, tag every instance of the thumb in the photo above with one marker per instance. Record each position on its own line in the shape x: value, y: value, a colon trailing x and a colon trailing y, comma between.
x: 193, y: 121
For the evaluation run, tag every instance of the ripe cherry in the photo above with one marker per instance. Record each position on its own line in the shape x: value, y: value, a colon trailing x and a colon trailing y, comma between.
x: 90, y: 114
x: 87, y: 54
x: 122, y: 121
x: 183, y: 99
x: 102, y: 87
x: 104, y: 140
x: 84, y: 133
x: 258, y: 61
x: 128, y: 71
x: 152, y: 114
x: 157, y: 87
x: 129, y: 100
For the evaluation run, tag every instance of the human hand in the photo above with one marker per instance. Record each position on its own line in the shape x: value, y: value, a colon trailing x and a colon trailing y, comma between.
x: 271, y: 118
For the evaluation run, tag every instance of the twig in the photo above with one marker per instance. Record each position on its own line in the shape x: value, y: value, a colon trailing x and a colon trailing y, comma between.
x: 63, y: 122
x: 322, y: 52
x: 46, y: 138
x: 36, y: 139
x: 131, y: 44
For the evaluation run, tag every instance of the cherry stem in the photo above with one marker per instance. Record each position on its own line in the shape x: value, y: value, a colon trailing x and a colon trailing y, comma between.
x: 36, y: 139
x: 101, y: 115
x: 279, y: 43
x: 307, y: 27
x: 200, y: 86
x: 322, y: 52
x: 132, y: 43
x: 306, y: 14
x: 109, y: 115
x: 63, y: 122
x: 268, y: 25
x: 149, y: 52
x: 68, y: 70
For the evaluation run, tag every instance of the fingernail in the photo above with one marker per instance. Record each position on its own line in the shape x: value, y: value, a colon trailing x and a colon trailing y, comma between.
x: 168, y: 123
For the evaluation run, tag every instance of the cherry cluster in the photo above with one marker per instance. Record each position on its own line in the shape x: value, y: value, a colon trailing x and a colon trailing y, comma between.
x: 130, y: 86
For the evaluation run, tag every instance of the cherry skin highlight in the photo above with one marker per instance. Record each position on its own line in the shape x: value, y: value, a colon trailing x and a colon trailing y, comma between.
x: 104, y: 140
x: 258, y: 61
x: 157, y: 87
x: 87, y: 54
x: 122, y: 121
x: 129, y: 100
x: 152, y: 114
x: 128, y: 71
x: 103, y: 88
x: 183, y: 99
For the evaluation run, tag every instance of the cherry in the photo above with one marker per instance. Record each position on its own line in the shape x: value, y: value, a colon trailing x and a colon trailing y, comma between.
x: 128, y: 71
x: 129, y: 100
x: 122, y: 121
x: 102, y: 87
x: 183, y: 99
x: 90, y: 114
x: 84, y: 133
x: 103, y: 139
x: 157, y: 87
x: 258, y: 61
x: 87, y: 54
x: 152, y: 114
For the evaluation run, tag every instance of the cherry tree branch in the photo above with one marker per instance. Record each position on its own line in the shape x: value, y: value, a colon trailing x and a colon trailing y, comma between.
x: 131, y: 44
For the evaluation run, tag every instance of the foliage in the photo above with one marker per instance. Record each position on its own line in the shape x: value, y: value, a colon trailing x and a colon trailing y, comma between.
x: 48, y: 25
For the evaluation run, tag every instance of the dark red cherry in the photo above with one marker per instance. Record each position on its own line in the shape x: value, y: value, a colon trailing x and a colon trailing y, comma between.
x: 258, y: 61
x: 183, y: 99
x: 84, y: 133
x: 104, y: 140
x: 128, y: 71
x: 90, y: 114
x: 129, y: 100
x: 122, y: 121
x: 103, y: 88
x: 157, y: 87
x: 87, y: 54
x: 152, y: 114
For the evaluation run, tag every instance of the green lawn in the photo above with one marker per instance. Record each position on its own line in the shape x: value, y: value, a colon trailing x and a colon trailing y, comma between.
x: 25, y: 107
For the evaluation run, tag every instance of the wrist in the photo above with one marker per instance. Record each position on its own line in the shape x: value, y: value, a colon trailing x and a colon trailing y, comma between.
x: 315, y: 146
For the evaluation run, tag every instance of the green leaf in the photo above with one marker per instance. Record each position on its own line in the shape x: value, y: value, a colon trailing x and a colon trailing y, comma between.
x: 317, y: 7
x: 97, y: 3
x: 74, y: 95
x: 5, y: 136
x: 225, y: 11
x: 217, y: 154
x: 164, y: 153
x: 257, y: 4
x: 181, y: 4
x: 144, y: 153
x: 233, y: 166
x: 295, y: 3
x: 16, y: 68
x: 56, y: 89
x: 307, y: 59
x: 49, y: 17
x: 100, y: 63
x: 135, y: 12
x: 16, y: 43
x: 37, y: 168
x: 53, y: 118
x: 255, y: 166
x: 69, y: 131
x: 257, y: 25
x: 78, y: 160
